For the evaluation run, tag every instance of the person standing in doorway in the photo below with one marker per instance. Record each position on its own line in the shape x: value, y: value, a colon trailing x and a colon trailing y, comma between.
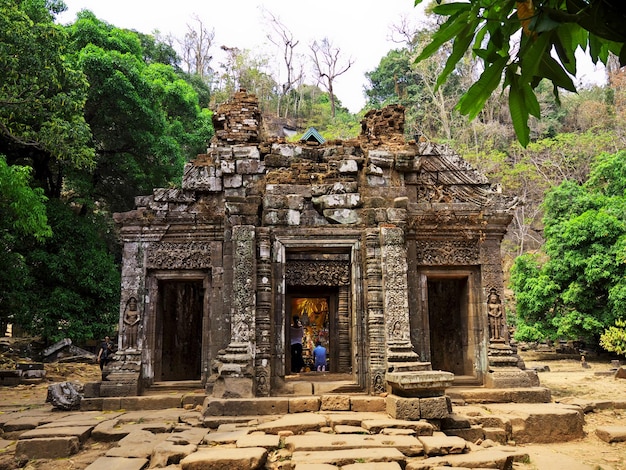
x: 319, y: 355
x: 296, y: 333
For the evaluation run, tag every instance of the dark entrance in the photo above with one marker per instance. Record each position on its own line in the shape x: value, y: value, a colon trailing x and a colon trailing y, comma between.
x: 448, y: 325
x: 318, y: 313
x: 179, y: 330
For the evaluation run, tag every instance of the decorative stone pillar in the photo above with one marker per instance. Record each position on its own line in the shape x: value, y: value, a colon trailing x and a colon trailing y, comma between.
x: 233, y: 371
x: 417, y: 392
x: 263, y: 308
x: 375, y: 315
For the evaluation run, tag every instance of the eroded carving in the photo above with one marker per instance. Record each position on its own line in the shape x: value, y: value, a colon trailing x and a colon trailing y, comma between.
x: 317, y: 273
x: 448, y: 252
x: 189, y: 255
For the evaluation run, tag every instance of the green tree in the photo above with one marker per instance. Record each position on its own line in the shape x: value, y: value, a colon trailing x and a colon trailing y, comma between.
x: 73, y: 280
x: 490, y: 29
x: 146, y: 120
x: 42, y: 95
x: 580, y: 288
x: 22, y: 216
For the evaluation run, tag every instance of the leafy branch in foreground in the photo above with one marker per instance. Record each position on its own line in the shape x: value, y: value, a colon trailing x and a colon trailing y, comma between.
x: 546, y: 36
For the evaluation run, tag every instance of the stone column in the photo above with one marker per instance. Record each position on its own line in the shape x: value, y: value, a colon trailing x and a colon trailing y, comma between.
x: 375, y: 315
x: 263, y: 308
x: 417, y: 392
x: 234, y: 368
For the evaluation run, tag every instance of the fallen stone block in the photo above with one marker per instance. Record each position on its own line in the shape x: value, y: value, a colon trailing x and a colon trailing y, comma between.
x: 117, y: 463
x: 541, y: 423
x: 46, y: 447
x: 442, y: 445
x: 242, y: 459
x: 347, y: 457
x: 137, y: 444
x: 611, y: 434
x: 170, y: 453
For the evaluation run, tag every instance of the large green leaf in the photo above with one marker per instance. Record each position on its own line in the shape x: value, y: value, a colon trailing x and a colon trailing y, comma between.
x: 519, y: 112
x: 474, y: 99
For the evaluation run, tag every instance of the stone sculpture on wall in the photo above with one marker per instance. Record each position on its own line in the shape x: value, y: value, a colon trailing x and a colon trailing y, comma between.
x: 131, y: 324
x: 496, y: 320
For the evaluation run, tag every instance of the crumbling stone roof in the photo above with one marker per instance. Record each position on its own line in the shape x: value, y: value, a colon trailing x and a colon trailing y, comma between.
x: 238, y: 121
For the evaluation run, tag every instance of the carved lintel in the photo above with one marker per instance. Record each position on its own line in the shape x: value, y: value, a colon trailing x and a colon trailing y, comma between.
x: 189, y: 255
x: 317, y: 273
x: 448, y: 252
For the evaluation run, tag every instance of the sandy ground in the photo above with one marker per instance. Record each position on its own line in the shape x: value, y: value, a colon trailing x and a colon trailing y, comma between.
x: 566, y: 379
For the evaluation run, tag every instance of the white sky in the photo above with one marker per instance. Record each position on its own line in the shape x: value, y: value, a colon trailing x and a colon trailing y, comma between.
x: 360, y: 28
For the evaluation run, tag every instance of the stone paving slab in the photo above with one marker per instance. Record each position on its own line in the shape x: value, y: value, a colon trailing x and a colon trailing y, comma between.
x: 259, y: 439
x: 321, y: 442
x: 297, y: 423
x: 250, y: 458
x: 26, y: 422
x: 170, y: 453
x: 368, y: 466
x: 214, y: 422
x: 611, y: 434
x: 488, y: 458
x: 188, y: 436
x: 5, y: 444
x: 116, y: 429
x: 81, y: 432
x: 348, y: 429
x: 347, y: 457
x: 137, y: 444
x: 46, y: 448
x: 442, y: 445
x: 225, y: 437
x: 117, y: 463
x: 88, y: 418
x: 351, y: 418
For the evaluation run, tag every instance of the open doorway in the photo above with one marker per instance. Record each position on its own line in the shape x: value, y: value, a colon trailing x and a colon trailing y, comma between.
x: 448, y: 300
x: 319, y: 312
x: 179, y: 330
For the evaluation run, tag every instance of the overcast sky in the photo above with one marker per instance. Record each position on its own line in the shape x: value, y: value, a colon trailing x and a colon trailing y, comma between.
x: 360, y: 28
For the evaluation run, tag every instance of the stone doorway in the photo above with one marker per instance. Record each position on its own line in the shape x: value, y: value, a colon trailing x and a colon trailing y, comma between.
x: 178, y: 352
x: 317, y: 311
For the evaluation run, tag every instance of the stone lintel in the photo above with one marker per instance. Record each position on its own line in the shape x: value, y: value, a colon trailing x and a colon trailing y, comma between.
x: 426, y: 383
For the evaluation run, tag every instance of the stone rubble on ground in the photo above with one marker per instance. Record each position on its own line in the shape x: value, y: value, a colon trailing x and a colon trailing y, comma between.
x: 319, y: 440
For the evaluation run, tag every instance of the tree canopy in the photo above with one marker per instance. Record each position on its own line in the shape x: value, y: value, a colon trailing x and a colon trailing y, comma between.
x: 526, y: 42
x: 577, y: 286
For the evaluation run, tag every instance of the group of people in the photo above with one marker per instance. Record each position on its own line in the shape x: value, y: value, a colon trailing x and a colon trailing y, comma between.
x: 297, y: 361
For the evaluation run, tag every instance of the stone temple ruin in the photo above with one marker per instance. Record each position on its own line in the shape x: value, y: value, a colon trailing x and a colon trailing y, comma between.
x: 387, y: 250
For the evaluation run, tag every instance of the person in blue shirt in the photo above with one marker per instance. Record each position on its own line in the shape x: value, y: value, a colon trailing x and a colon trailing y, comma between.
x: 319, y: 355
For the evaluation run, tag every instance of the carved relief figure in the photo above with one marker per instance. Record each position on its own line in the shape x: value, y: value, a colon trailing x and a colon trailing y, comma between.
x: 131, y: 323
x: 496, y: 319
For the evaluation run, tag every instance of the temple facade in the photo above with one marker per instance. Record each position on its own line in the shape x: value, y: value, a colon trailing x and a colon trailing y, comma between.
x: 386, y: 251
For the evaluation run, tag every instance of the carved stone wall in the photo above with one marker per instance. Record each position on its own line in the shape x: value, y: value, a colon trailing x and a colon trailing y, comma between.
x: 396, y: 198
